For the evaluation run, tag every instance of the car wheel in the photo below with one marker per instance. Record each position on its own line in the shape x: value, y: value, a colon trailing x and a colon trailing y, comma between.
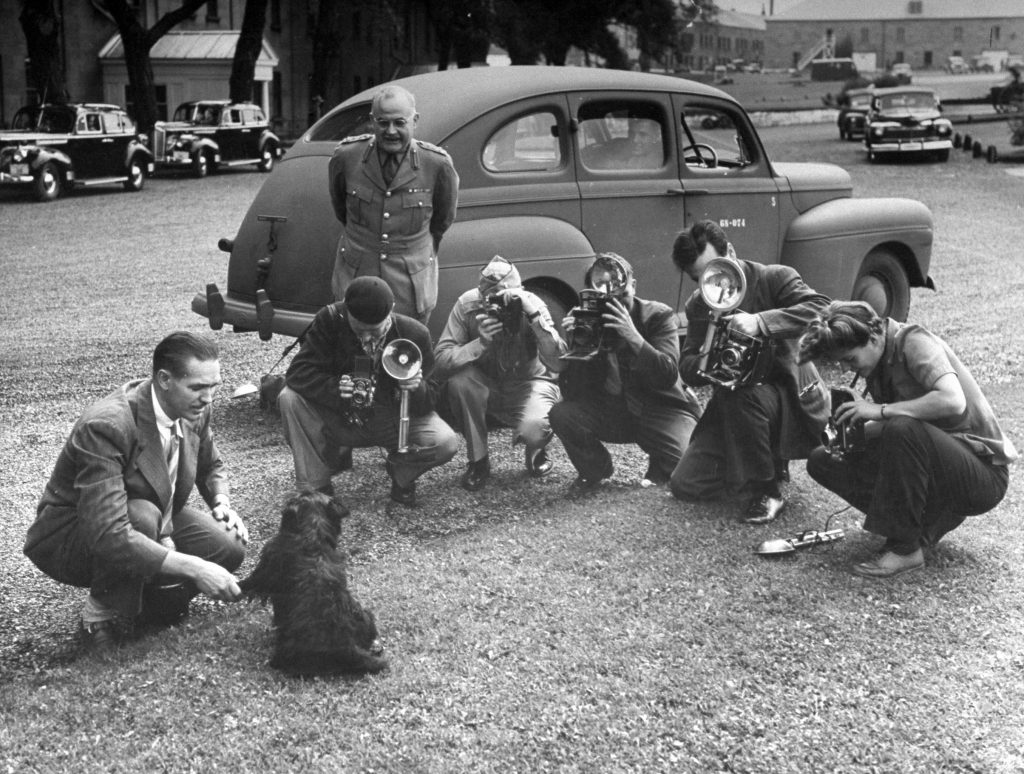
x: 200, y: 164
x: 267, y: 154
x: 47, y: 182
x: 884, y: 285
x: 136, y: 175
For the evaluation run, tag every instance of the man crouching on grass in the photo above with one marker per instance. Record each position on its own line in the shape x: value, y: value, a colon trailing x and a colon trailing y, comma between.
x: 933, y: 452
x: 114, y: 518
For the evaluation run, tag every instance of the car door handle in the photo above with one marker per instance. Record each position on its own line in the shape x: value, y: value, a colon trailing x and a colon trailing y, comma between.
x: 688, y: 191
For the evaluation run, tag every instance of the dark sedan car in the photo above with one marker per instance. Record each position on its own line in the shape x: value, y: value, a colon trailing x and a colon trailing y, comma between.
x: 907, y: 120
x: 550, y: 172
x: 853, y: 113
x: 52, y: 148
x: 207, y: 134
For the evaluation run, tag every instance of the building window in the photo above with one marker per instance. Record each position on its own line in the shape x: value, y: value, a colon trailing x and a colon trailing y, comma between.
x: 865, y: 35
x: 927, y: 59
x: 958, y: 34
x: 994, y: 35
x: 914, y: 7
x: 901, y: 35
x: 211, y: 11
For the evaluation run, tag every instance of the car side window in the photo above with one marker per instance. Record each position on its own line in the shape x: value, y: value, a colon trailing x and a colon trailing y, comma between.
x: 90, y: 124
x: 112, y: 124
x: 526, y: 143
x: 715, y: 140
x: 622, y: 135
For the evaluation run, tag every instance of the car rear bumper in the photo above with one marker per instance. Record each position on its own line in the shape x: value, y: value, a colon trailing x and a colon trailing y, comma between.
x: 243, y: 316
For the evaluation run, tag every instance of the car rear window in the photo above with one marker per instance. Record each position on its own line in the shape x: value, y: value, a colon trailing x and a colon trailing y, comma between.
x: 526, y: 143
x: 345, y: 123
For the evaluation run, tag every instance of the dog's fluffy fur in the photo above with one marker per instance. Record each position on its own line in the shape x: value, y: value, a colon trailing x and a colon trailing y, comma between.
x: 320, y: 628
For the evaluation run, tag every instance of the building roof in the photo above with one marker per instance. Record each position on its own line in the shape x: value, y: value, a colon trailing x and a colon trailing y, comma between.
x: 193, y: 44
x: 749, y: 21
x: 877, y: 10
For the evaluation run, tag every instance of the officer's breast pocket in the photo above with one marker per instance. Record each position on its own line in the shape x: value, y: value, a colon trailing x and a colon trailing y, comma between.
x: 359, y: 203
x: 417, y: 207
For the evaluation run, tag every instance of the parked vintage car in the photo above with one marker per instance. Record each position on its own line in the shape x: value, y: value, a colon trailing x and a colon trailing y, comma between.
x: 536, y: 150
x: 902, y: 72
x: 853, y: 113
x: 957, y: 65
x: 55, y: 147
x: 207, y: 134
x: 907, y: 120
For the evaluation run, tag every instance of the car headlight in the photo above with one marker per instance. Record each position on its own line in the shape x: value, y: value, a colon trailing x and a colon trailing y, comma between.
x: 19, y: 155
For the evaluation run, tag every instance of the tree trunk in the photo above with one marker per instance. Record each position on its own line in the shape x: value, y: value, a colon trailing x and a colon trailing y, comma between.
x: 324, y: 86
x: 137, y: 42
x: 42, y: 27
x: 247, y: 52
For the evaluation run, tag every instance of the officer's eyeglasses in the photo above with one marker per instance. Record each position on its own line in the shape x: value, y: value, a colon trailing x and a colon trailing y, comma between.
x: 387, y: 123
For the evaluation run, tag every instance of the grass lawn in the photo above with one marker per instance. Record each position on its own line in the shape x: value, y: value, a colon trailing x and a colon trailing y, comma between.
x: 528, y: 631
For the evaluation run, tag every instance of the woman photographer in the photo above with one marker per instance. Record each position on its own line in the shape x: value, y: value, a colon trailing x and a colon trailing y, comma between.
x: 933, y: 450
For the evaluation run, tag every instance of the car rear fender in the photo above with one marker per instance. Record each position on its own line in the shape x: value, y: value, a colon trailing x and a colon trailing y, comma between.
x: 136, y: 148
x: 829, y: 243
x: 268, y: 136
x: 548, y: 253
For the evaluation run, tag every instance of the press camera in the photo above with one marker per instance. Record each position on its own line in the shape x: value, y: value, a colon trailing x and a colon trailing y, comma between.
x: 729, y: 358
x: 506, y: 309
x: 587, y: 335
x: 842, y: 438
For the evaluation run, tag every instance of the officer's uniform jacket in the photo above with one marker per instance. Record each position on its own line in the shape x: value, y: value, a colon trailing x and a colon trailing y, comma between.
x: 392, y: 231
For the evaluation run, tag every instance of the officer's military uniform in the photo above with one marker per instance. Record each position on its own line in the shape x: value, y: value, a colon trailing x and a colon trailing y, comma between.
x: 392, y: 230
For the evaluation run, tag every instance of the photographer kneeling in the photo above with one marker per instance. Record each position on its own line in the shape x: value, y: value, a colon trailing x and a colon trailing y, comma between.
x: 626, y: 388
x: 497, y: 356
x: 933, y: 450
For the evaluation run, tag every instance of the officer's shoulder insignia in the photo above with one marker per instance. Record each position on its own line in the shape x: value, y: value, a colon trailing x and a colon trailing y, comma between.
x: 431, y: 147
x: 356, y: 138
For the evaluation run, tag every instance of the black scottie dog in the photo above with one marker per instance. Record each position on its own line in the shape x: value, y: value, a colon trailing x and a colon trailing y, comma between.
x: 320, y: 628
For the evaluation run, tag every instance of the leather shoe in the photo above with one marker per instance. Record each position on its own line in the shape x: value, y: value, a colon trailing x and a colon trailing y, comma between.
x: 538, y: 463
x: 889, y: 564
x: 476, y: 475
x: 654, y: 476
x: 590, y: 483
x: 763, y: 509
x: 105, y: 636
x: 406, y: 495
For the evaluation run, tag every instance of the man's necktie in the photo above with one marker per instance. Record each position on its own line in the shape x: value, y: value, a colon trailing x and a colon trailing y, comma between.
x: 391, y: 162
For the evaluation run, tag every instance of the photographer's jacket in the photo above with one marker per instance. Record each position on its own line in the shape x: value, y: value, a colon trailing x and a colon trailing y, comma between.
x: 650, y: 377
x: 114, y: 454
x: 785, y: 306
x: 329, y: 350
x: 532, y: 353
x: 392, y: 230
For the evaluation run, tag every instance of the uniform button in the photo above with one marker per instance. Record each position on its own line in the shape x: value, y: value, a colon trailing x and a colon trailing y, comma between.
x: 388, y: 193
x: 387, y: 214
x: 383, y: 236
x: 383, y: 256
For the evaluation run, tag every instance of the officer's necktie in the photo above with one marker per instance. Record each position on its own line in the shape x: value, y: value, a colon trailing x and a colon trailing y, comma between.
x: 391, y: 162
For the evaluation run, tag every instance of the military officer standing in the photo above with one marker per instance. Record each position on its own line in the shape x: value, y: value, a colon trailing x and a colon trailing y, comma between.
x: 396, y: 196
